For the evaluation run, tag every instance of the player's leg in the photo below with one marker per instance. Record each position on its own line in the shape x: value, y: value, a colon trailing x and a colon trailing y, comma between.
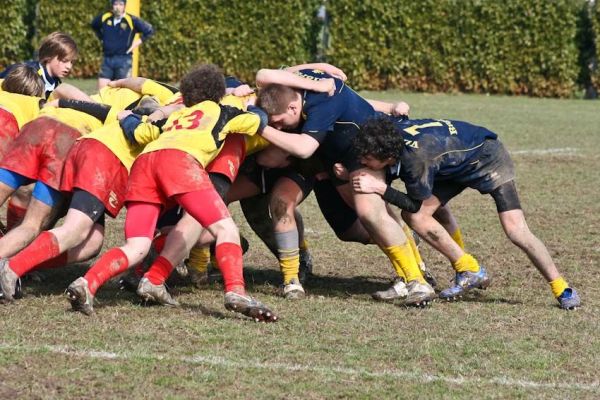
x: 445, y: 217
x: 106, y: 72
x: 219, y: 223
x: 286, y: 195
x: 41, y: 213
x: 389, y: 236
x: 9, y: 182
x: 17, y: 205
x: 339, y: 215
x: 469, y: 274
x: 140, y: 223
x: 178, y: 244
x: 51, y: 249
x: 516, y: 229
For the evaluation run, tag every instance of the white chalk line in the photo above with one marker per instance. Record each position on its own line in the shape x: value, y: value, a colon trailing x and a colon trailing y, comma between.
x: 326, y: 370
x: 542, y: 152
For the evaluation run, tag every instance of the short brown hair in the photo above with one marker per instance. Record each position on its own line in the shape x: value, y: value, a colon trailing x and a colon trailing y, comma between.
x: 23, y: 79
x: 275, y: 98
x: 203, y: 82
x: 57, y: 44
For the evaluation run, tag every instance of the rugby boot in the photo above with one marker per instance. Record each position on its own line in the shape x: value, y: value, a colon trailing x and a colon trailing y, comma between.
x: 306, y: 266
x: 200, y: 279
x: 182, y: 269
x: 419, y: 294
x: 569, y: 299
x: 428, y: 276
x: 8, y: 282
x: 466, y: 281
x: 397, y: 291
x: 156, y: 293
x: 249, y: 307
x: 293, y: 290
x: 80, y: 297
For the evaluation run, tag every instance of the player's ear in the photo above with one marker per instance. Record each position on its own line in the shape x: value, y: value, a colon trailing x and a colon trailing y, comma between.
x: 293, y: 108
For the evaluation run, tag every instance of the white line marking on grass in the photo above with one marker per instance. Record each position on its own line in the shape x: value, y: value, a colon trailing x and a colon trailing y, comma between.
x: 326, y: 370
x: 543, y: 152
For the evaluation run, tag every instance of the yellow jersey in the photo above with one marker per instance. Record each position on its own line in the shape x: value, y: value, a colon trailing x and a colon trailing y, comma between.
x: 23, y: 108
x: 201, y: 129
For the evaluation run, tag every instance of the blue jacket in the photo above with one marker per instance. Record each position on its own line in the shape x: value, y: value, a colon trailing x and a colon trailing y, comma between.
x: 117, y: 39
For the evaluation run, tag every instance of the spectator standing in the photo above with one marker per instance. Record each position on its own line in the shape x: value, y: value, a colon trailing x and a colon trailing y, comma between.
x: 117, y: 29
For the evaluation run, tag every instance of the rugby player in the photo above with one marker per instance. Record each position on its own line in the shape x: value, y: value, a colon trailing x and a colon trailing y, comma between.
x: 315, y: 115
x: 437, y: 160
x: 171, y: 171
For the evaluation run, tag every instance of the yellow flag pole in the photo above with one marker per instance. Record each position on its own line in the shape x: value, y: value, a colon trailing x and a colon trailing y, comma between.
x: 133, y: 8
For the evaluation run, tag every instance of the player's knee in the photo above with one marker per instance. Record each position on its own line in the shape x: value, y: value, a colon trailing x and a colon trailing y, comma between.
x: 518, y: 234
x: 282, y: 209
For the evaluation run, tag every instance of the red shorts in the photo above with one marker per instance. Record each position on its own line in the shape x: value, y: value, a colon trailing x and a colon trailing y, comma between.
x: 91, y: 166
x: 9, y: 129
x: 40, y: 150
x: 157, y: 176
x: 230, y: 157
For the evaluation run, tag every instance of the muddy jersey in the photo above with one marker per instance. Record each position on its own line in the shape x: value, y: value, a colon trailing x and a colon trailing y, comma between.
x: 438, y: 150
x: 201, y: 129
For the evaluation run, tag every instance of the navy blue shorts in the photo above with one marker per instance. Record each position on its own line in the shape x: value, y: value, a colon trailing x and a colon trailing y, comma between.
x: 493, y: 168
x: 116, y: 67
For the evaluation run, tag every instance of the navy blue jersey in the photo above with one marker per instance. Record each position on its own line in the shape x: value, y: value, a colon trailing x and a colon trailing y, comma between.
x: 321, y: 113
x: 50, y: 83
x: 117, y: 35
x: 437, y: 150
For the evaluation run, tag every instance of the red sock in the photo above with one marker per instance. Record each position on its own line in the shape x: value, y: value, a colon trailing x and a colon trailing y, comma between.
x: 43, y: 248
x: 229, y: 258
x: 111, y: 264
x: 14, y: 215
x: 159, y: 243
x: 159, y: 271
x: 59, y: 261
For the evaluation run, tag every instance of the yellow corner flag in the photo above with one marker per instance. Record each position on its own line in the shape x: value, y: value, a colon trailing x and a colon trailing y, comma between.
x: 133, y: 8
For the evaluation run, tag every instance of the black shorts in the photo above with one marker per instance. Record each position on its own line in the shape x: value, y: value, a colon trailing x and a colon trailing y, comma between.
x: 88, y: 204
x: 339, y: 215
x: 265, y: 178
x: 493, y: 168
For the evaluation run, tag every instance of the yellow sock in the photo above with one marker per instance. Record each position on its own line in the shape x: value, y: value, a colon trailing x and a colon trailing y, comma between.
x: 289, y: 266
x: 413, y: 244
x: 304, y: 245
x: 199, y: 259
x: 466, y: 263
x: 457, y: 236
x: 404, y: 262
x: 558, y: 286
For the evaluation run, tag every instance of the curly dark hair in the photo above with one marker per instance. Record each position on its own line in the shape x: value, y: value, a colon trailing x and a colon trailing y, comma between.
x: 204, y: 82
x: 380, y: 138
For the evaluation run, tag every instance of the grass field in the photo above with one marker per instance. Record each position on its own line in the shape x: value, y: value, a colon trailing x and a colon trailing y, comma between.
x: 510, y: 341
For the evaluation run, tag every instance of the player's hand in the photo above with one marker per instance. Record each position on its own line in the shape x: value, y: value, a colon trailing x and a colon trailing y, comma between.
x: 242, y: 90
x: 117, y: 83
x: 52, y: 103
x: 338, y: 73
x: 124, y: 114
x: 365, y: 183
x: 340, y: 171
x: 399, y: 109
x: 326, y: 86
